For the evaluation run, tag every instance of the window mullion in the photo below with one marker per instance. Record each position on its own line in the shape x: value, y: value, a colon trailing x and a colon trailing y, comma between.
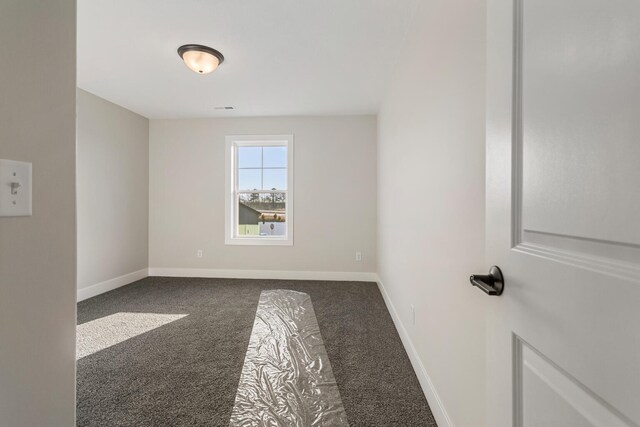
x: 261, y: 191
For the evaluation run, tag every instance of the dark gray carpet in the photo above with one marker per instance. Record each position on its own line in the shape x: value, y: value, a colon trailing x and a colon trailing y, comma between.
x: 185, y: 373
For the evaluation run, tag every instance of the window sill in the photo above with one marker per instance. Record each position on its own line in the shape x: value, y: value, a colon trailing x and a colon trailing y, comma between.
x: 261, y: 241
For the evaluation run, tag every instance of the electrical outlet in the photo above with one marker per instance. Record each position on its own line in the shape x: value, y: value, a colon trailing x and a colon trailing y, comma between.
x: 358, y: 256
x: 199, y: 253
x: 413, y: 315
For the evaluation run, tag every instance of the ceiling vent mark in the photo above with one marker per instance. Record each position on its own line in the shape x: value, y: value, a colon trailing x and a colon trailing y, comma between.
x: 223, y: 108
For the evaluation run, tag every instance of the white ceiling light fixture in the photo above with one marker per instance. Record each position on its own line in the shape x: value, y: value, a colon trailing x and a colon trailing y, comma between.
x: 201, y: 59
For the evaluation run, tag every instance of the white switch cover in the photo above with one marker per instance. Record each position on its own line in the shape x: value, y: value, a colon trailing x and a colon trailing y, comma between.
x: 15, y: 188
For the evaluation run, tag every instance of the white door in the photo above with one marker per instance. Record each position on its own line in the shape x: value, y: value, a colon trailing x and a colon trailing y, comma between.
x: 563, y: 212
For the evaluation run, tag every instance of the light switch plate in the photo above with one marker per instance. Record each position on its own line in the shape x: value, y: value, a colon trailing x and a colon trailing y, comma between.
x: 15, y: 188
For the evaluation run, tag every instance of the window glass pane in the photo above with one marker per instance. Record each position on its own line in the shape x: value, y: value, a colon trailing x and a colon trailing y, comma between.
x: 249, y: 179
x: 249, y: 157
x: 274, y: 179
x: 275, y: 157
x: 262, y: 214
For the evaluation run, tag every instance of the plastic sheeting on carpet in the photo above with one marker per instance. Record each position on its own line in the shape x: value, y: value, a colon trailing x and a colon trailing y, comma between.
x: 287, y: 379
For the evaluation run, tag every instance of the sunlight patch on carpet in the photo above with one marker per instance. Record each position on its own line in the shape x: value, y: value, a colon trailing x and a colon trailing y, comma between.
x: 108, y: 331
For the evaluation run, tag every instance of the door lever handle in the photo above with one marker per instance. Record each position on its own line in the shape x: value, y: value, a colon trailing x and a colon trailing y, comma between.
x: 491, y: 284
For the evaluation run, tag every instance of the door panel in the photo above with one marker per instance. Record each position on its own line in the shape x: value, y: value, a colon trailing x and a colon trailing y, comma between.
x: 563, y: 202
x: 577, y: 131
x: 548, y: 396
x: 580, y: 113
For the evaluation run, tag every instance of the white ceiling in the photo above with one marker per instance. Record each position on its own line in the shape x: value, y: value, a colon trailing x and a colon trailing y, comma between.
x: 282, y: 57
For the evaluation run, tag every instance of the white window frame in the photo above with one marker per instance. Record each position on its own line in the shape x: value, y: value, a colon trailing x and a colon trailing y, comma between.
x: 231, y: 189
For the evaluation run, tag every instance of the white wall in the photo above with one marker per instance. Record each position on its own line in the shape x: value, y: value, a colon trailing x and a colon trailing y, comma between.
x: 38, y: 253
x: 113, y: 193
x: 335, y: 192
x: 431, y: 200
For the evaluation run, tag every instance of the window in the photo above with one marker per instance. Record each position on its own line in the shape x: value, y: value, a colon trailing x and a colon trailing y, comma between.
x: 259, y: 200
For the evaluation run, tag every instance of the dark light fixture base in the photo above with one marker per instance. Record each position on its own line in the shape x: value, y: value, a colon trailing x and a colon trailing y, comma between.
x: 200, y: 48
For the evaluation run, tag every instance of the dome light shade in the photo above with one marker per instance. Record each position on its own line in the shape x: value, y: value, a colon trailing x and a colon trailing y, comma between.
x: 200, y: 59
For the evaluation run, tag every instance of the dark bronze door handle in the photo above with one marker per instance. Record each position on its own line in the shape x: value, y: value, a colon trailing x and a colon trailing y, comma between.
x: 492, y: 283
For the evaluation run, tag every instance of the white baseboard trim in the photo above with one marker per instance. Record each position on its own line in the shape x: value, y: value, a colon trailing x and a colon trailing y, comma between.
x: 108, y: 285
x: 264, y: 274
x: 435, y: 403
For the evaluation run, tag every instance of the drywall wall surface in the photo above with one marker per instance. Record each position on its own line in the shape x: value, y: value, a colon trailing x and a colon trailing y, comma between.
x: 334, y: 190
x: 113, y: 190
x: 38, y: 252
x: 431, y: 199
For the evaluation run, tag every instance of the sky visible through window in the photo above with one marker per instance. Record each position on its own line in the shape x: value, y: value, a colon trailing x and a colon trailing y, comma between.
x: 262, y: 168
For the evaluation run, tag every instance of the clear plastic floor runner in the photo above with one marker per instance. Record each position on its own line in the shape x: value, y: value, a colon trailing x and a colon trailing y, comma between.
x: 287, y: 379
